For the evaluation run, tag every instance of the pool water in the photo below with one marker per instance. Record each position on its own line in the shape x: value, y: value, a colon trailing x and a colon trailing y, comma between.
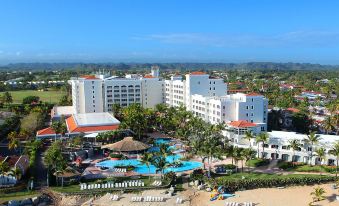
x: 162, y: 141
x: 143, y: 169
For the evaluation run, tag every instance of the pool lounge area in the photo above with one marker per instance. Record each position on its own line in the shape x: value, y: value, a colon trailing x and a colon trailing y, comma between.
x: 143, y: 169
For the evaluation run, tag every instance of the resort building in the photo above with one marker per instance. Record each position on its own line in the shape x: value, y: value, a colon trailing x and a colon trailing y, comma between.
x: 98, y: 93
x: 86, y: 124
x: 207, y: 98
x: 278, y: 145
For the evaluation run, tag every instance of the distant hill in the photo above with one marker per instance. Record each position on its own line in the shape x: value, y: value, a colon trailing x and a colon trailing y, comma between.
x: 169, y: 66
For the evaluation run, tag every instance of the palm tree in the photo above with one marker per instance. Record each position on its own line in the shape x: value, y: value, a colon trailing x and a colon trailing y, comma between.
x: 295, y: 145
x: 13, y: 143
x: 16, y: 172
x: 321, y: 153
x: 318, y: 194
x: 263, y: 138
x: 238, y: 156
x: 328, y: 124
x: 312, y: 139
x: 160, y: 163
x: 56, y: 126
x: 335, y: 152
x: 248, y: 154
x: 147, y: 159
x: 249, y: 136
x: 4, y: 167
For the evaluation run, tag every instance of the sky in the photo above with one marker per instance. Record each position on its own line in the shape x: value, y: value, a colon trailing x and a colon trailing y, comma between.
x: 169, y: 31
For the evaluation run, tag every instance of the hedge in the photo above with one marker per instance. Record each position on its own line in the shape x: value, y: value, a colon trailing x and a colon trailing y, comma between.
x: 233, y: 185
x: 257, y: 162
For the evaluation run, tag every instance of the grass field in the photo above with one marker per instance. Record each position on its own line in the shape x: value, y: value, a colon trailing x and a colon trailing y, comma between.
x: 51, y: 96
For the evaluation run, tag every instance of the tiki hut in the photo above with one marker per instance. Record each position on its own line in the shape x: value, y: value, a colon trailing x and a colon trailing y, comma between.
x: 127, y: 145
x: 67, y: 175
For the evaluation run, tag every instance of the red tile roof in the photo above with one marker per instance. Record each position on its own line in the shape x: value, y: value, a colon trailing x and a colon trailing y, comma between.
x: 88, y: 77
x: 46, y: 131
x: 253, y: 94
x: 148, y: 76
x: 242, y: 124
x: 198, y: 73
x: 74, y: 128
x: 294, y: 110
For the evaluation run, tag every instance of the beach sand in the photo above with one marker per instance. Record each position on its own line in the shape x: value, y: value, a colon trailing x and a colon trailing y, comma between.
x: 290, y: 196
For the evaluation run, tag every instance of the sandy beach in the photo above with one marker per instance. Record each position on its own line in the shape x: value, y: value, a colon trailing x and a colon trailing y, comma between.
x: 291, y: 196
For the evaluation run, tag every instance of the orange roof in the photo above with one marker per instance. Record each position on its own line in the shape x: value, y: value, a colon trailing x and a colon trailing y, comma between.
x: 88, y: 77
x: 74, y: 128
x: 46, y: 131
x: 148, y: 76
x: 198, y: 73
x: 253, y: 94
x: 293, y: 110
x: 242, y: 123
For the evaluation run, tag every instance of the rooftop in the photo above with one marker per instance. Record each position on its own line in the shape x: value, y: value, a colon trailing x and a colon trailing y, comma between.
x: 286, y: 136
x: 242, y: 124
x: 95, y: 119
x: 198, y: 73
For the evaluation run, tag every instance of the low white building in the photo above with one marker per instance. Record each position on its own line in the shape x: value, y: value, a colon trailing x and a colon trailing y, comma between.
x: 278, y: 146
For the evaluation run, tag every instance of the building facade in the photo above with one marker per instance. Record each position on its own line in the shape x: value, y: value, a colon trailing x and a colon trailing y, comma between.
x: 98, y: 93
x: 207, y: 98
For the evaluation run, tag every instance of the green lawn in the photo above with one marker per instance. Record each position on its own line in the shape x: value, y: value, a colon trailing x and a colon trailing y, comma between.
x: 51, y: 96
x: 17, y: 196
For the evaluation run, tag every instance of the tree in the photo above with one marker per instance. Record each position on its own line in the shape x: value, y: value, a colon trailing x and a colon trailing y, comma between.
x: 135, y: 119
x: 64, y: 101
x: 248, y: 154
x: 238, y: 156
x: 59, y: 128
x: 30, y: 99
x: 263, y: 138
x: 318, y: 194
x: 16, y: 172
x: 147, y: 159
x: 160, y: 163
x: 7, y: 98
x: 54, y: 158
x: 327, y: 124
x: 321, y: 153
x: 295, y: 145
x: 301, y: 122
x: 335, y: 152
x: 312, y: 139
x: 249, y: 136
x: 4, y: 168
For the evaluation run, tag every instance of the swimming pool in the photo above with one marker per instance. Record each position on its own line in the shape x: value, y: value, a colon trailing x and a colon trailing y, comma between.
x: 143, y: 169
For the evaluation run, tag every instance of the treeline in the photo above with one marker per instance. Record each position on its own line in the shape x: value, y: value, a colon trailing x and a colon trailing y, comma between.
x: 169, y: 66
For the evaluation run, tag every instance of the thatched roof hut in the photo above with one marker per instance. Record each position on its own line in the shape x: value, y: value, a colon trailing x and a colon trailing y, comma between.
x: 128, y: 144
x: 67, y: 173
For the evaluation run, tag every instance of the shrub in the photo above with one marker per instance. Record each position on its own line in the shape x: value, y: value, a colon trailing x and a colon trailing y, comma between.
x: 197, y: 174
x: 227, y: 166
x: 170, y: 177
x: 257, y: 162
x: 233, y: 185
x: 113, y: 155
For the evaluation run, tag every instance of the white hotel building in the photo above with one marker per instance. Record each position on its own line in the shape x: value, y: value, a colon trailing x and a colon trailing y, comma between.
x: 98, y: 93
x: 206, y: 97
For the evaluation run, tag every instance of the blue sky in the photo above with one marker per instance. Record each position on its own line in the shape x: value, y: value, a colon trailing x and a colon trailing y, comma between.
x: 169, y: 31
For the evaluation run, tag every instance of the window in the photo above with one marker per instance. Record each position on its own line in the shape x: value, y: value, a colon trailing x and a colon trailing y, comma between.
x: 199, y: 82
x: 251, y: 120
x: 92, y: 87
x: 246, y: 114
x: 252, y: 107
x: 246, y: 107
x: 252, y: 99
x: 252, y: 114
